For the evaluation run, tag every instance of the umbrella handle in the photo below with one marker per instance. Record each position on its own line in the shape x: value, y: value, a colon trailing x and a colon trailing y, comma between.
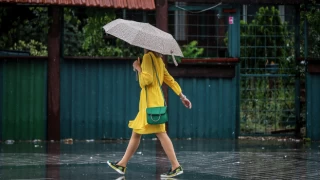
x: 136, y: 75
x: 174, y: 60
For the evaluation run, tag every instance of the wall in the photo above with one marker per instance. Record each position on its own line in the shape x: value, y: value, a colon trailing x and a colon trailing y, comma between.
x: 313, y: 102
x: 98, y: 98
x: 213, y: 113
x: 23, y: 98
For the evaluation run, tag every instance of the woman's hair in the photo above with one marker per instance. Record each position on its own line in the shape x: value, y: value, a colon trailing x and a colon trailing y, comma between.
x: 155, y: 53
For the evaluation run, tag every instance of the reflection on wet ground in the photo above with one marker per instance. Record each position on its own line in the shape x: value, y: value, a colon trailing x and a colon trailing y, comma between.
x: 201, y: 159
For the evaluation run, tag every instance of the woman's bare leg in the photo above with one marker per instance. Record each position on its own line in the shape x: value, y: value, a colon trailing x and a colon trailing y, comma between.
x: 131, y: 149
x: 168, y: 148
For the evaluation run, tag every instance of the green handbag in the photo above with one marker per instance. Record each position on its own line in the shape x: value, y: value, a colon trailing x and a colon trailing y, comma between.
x: 156, y: 115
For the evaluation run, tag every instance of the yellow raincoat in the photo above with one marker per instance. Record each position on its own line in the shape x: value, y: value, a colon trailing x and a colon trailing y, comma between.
x: 148, y: 78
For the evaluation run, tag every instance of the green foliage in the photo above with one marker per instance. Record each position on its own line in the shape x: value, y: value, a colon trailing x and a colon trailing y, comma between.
x: 266, y: 38
x: 267, y: 103
x: 83, y: 34
x: 72, y: 34
x: 34, y: 47
x: 189, y: 51
x: 93, y: 43
x: 24, y: 26
x: 312, y: 15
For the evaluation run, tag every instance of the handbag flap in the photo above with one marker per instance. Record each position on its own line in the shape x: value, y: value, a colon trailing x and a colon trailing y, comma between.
x: 157, y: 110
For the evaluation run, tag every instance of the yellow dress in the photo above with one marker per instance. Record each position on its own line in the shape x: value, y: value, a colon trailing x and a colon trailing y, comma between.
x: 148, y: 78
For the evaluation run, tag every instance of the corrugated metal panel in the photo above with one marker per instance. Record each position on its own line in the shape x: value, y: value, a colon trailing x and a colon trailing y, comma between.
x: 24, y: 97
x: 130, y: 4
x: 1, y: 97
x: 313, y: 106
x: 98, y: 98
x: 213, y: 113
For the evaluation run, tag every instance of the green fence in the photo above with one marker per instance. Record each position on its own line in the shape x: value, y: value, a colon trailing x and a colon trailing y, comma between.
x: 197, y: 22
x: 1, y: 96
x: 98, y: 98
x: 213, y: 113
x: 313, y: 106
x: 267, y: 76
x: 23, y: 99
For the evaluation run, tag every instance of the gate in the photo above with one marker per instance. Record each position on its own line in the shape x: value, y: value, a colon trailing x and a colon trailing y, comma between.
x: 267, y: 73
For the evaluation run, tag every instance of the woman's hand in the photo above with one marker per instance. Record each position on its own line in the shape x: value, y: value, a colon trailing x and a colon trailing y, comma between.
x: 136, y: 65
x: 185, y: 101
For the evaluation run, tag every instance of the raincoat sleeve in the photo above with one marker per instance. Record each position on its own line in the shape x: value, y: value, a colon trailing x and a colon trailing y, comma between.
x: 168, y: 79
x: 146, y: 75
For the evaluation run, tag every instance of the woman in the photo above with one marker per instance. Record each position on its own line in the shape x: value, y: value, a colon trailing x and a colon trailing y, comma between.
x: 148, y: 79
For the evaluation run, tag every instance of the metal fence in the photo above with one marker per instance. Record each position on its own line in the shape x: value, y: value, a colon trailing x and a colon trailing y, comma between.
x: 267, y: 75
x: 199, y: 26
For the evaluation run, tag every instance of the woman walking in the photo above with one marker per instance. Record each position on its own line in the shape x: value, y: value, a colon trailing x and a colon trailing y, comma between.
x: 152, y: 67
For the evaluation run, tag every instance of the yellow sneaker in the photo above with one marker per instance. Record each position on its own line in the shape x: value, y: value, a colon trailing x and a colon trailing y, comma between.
x: 119, y: 169
x: 173, y: 173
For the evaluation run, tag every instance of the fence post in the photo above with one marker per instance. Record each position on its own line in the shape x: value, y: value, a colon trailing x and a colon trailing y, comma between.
x: 234, y: 51
x: 54, y: 35
x: 297, y: 81
x: 162, y: 23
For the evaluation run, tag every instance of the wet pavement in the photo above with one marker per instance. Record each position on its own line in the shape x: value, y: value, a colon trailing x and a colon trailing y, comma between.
x: 201, y: 159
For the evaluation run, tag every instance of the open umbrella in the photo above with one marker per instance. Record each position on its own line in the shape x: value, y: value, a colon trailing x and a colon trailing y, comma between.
x: 144, y: 35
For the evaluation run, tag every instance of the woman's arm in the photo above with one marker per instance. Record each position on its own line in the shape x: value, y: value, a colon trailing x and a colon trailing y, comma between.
x: 145, y: 70
x: 169, y: 80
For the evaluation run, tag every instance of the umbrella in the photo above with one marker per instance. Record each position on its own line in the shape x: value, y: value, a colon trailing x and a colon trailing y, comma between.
x: 144, y: 35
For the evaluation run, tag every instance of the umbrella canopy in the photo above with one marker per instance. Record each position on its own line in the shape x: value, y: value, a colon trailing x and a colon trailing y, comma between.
x: 144, y: 35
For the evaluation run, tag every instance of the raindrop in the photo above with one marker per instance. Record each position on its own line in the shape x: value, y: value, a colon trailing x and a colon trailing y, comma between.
x: 262, y: 148
x: 90, y: 157
x: 154, y: 139
x: 139, y: 152
x: 36, y: 146
x: 188, y: 138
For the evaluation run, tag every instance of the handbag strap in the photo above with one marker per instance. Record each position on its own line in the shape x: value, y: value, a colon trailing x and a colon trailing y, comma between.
x: 154, y: 68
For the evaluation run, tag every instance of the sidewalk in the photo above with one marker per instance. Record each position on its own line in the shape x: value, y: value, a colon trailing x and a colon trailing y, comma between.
x: 201, y: 159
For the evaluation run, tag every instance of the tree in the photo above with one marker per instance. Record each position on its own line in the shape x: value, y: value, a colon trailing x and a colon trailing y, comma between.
x: 312, y: 15
x: 265, y: 40
x: 26, y: 29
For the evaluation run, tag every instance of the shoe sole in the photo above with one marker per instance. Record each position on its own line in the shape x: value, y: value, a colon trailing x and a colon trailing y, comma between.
x: 121, y: 178
x: 120, y: 172
x: 174, y: 175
